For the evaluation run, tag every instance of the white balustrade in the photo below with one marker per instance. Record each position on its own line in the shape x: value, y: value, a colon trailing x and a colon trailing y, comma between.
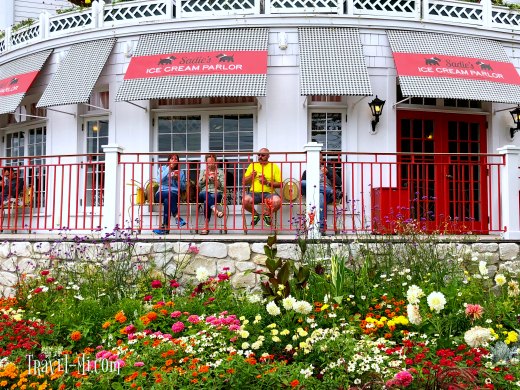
x: 299, y: 6
x: 132, y: 12
x: 388, y: 8
x: 451, y: 12
x: 202, y: 8
x: 70, y: 22
x: 460, y: 12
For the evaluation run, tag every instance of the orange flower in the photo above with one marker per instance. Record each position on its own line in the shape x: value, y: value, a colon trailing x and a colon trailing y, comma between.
x: 75, y: 336
x: 295, y: 383
x: 120, y: 317
x: 106, y: 324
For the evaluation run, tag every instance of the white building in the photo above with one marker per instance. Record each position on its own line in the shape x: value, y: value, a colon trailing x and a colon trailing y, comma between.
x: 230, y: 77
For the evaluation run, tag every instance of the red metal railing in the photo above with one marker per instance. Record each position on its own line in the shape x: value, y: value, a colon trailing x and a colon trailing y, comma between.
x: 374, y: 192
x: 59, y: 192
x: 143, y: 212
x: 443, y: 193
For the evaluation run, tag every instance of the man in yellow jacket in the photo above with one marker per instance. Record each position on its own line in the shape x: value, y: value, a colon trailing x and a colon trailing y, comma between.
x: 263, y: 177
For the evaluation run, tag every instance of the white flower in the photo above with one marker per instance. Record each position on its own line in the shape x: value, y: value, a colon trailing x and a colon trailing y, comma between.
x: 302, y: 307
x: 436, y: 301
x: 477, y: 336
x: 254, y: 298
x: 414, y: 316
x: 272, y: 308
x: 482, y: 267
x: 500, y: 279
x: 245, y: 345
x: 414, y: 294
x: 288, y: 302
x: 79, y: 297
x: 202, y: 274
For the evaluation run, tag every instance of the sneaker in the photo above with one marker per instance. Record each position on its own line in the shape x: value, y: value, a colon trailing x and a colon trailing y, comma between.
x: 267, y: 220
x: 181, y: 222
x: 160, y: 231
x: 256, y: 219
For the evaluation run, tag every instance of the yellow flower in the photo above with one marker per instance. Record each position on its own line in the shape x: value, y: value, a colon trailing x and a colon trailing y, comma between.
x: 512, y: 337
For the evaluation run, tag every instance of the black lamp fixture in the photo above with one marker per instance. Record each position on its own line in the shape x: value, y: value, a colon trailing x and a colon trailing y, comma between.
x: 376, y: 106
x: 516, y: 118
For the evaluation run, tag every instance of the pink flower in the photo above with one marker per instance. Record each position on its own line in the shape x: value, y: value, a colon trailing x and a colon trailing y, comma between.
x: 156, y: 284
x: 194, y: 319
x: 401, y: 379
x: 474, y: 312
x: 193, y: 249
x: 147, y: 298
x: 45, y: 272
x: 130, y: 329
x: 119, y: 363
x: 138, y: 364
x: 174, y: 284
x: 176, y: 314
x: 178, y: 327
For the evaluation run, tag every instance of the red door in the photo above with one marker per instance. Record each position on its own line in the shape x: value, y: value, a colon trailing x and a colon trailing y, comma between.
x: 443, y: 171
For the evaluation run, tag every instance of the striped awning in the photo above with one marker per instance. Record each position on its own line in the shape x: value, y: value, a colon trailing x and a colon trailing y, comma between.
x: 191, y: 64
x: 448, y: 66
x: 77, y: 74
x: 16, y: 77
x: 332, y: 62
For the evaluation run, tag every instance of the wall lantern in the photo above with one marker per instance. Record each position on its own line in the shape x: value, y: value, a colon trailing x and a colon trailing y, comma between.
x: 516, y: 118
x: 376, y: 106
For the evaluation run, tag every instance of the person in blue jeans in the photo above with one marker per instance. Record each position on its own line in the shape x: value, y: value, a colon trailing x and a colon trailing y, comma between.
x: 211, y: 185
x: 328, y: 181
x: 172, y: 181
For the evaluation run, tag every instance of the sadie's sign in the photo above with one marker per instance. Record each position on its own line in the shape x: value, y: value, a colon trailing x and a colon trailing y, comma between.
x: 436, y: 65
x: 17, y: 84
x: 198, y: 63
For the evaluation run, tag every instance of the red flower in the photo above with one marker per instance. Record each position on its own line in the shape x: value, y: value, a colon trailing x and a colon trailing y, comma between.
x: 295, y: 383
x: 50, y: 280
x: 156, y: 284
x: 37, y: 290
x: 147, y: 298
x: 45, y: 272
x: 509, y: 377
x: 174, y: 284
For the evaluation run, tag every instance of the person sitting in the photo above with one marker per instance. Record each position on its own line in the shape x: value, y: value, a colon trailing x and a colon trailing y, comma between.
x: 262, y: 177
x: 172, y: 180
x: 11, y: 184
x: 328, y: 182
x: 211, y: 185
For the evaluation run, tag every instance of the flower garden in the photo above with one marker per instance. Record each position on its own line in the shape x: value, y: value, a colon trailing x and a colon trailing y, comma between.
x: 379, y: 316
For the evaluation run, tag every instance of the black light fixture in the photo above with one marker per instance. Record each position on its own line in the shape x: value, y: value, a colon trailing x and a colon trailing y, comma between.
x: 376, y: 106
x: 516, y: 118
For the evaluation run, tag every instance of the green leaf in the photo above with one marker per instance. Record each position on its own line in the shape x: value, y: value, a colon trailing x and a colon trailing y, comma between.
x: 283, y: 273
x: 338, y: 299
x: 271, y: 240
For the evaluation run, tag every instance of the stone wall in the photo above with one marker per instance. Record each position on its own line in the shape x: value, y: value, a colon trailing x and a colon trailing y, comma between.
x: 17, y: 258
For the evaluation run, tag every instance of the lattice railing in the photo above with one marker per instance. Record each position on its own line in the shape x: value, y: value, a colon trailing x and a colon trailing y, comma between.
x: 304, y: 6
x: 505, y: 18
x: 2, y: 45
x: 454, y: 11
x: 70, y: 22
x: 25, y: 35
x: 403, y: 8
x: 137, y: 11
x: 198, y: 8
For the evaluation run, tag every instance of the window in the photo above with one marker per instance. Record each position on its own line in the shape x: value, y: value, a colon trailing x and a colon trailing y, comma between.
x: 97, y: 136
x: 326, y: 129
x: 232, y: 133
x: 179, y: 133
x: 30, y: 142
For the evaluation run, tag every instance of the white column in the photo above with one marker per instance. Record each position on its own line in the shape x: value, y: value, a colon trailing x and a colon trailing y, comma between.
x: 112, y: 198
x: 312, y: 178
x: 487, y: 18
x: 510, y: 191
x: 350, y: 7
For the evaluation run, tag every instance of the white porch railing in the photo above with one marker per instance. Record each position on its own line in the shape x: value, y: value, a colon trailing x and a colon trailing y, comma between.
x: 103, y: 15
